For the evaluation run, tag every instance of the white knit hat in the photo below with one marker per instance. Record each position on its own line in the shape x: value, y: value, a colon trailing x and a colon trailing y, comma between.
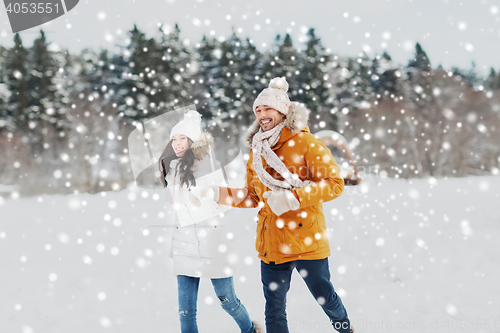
x: 275, y: 96
x: 190, y: 126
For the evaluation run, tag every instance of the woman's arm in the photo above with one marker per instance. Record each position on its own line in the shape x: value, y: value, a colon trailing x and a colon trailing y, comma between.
x: 241, y: 197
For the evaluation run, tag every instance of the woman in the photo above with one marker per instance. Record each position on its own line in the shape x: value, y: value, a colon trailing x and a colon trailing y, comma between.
x: 199, y: 246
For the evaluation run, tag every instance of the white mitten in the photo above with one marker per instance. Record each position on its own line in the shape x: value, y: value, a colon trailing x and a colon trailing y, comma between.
x: 282, y: 201
x: 208, y: 196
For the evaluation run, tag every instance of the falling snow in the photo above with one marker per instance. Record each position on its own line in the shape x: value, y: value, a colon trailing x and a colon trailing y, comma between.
x: 390, y: 245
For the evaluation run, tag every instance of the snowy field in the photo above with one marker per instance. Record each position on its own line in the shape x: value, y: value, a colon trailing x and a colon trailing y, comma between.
x: 407, y: 256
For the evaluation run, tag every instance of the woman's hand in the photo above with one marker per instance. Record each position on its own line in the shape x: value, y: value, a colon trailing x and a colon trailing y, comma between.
x: 208, y: 196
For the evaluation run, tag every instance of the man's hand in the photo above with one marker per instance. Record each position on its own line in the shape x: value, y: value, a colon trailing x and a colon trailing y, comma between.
x: 282, y: 201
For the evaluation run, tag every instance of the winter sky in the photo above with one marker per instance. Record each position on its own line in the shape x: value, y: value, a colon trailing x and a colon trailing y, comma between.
x: 453, y: 32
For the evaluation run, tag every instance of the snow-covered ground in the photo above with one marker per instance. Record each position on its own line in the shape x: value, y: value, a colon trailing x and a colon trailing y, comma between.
x: 407, y: 256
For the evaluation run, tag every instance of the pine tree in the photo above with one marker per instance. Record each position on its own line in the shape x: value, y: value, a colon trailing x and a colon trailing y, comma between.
x: 175, y: 82
x: 46, y: 102
x: 314, y: 89
x: 239, y: 67
x: 360, y: 81
x: 101, y: 74
x: 158, y: 77
x: 349, y: 82
x: 44, y: 69
x: 492, y: 82
x: 231, y: 70
x: 137, y: 83
x: 420, y: 80
x: 384, y: 75
x: 66, y: 81
x: 16, y: 78
x: 4, y: 90
x: 425, y: 108
x: 251, y: 71
x: 207, y: 56
x: 177, y: 59
x: 283, y: 60
x: 421, y: 61
x: 98, y: 74
x: 472, y: 77
x: 338, y: 83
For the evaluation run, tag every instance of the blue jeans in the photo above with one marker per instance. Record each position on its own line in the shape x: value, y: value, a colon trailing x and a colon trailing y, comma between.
x: 224, y: 289
x: 316, y: 274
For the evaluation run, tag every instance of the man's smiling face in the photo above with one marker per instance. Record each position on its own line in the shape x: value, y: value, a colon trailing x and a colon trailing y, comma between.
x: 268, y: 117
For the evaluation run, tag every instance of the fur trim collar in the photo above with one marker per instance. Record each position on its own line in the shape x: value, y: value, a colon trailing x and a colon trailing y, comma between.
x: 296, y: 120
x: 200, y: 147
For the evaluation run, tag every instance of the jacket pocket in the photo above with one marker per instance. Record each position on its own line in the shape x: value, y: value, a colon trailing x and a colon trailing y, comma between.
x: 299, y: 237
x: 185, y: 249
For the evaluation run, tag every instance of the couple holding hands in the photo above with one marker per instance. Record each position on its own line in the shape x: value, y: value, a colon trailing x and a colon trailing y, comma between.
x: 290, y: 173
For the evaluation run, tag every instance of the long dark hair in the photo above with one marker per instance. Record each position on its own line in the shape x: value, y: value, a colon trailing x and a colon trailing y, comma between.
x: 185, y: 166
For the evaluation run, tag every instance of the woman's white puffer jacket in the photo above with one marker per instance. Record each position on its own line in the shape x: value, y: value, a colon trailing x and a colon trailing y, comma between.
x: 200, y: 246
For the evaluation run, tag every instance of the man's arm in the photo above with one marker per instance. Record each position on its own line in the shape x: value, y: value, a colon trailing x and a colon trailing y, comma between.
x: 327, y: 182
x: 241, y: 197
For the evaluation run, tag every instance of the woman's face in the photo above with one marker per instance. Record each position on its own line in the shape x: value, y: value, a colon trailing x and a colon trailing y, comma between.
x: 180, y: 143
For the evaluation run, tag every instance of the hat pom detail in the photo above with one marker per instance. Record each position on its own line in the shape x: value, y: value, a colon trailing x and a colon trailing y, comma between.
x: 190, y: 126
x: 279, y: 83
x: 193, y: 116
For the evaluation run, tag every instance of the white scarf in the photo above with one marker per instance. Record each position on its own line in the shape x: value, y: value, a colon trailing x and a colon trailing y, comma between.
x: 261, y: 146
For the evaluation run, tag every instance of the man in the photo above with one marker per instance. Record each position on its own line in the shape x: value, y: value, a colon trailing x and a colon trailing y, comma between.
x: 290, y: 173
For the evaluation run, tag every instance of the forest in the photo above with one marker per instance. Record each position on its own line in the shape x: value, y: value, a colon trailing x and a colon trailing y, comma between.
x: 65, y: 118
